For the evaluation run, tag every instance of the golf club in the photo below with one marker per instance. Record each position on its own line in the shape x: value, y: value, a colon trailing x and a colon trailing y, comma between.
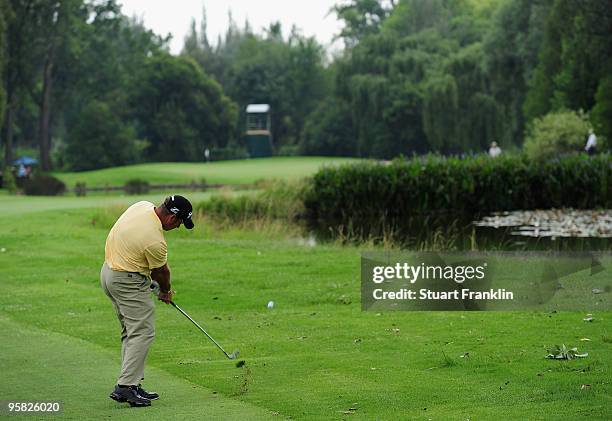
x: 155, y: 289
x: 231, y: 356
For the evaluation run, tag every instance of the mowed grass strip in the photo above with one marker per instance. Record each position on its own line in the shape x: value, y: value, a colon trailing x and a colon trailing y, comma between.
x: 245, y: 171
x: 38, y: 365
x: 315, y: 355
x: 13, y: 205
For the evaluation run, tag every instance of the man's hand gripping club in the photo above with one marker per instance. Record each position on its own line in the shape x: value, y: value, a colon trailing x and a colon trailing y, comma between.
x: 160, y: 284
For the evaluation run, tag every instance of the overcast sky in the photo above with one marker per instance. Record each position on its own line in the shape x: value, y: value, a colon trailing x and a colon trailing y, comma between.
x: 164, y: 16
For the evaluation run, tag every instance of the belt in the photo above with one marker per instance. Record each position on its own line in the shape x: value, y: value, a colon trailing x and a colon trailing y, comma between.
x: 125, y: 271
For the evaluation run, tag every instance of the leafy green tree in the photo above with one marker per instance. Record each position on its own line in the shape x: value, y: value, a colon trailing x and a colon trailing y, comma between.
x: 556, y: 133
x: 329, y: 130
x: 55, y: 20
x: 259, y: 74
x: 112, y: 51
x: 413, y: 16
x: 441, y: 105
x: 574, y: 56
x: 286, y: 73
x: 21, y: 65
x: 541, y: 85
x: 511, y: 47
x: 180, y: 110
x: 306, y: 83
x: 403, y: 122
x: 414, y: 87
x: 416, y: 76
x: 361, y: 18
x: 100, y: 139
x: 601, y: 115
x: 380, y: 80
x: 459, y: 113
x: 585, y: 54
x: 4, y: 16
x: 216, y: 61
x: 197, y: 46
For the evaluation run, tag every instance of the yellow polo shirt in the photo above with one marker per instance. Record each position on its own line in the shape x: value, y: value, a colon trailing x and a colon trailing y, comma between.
x: 136, y: 242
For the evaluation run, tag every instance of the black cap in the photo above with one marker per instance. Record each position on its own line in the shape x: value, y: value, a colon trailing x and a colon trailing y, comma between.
x: 181, y: 207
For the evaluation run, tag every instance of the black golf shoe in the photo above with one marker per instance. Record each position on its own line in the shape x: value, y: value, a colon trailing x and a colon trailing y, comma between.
x: 130, y: 395
x: 147, y: 395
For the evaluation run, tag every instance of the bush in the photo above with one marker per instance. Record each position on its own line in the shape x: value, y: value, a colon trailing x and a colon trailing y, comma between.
x: 278, y: 200
x: 8, y: 180
x: 43, y: 185
x: 80, y: 189
x: 372, y: 199
x: 555, y: 134
x: 136, y: 186
x: 288, y: 150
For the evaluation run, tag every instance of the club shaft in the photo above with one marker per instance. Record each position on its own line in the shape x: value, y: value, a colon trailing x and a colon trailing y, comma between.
x: 200, y: 327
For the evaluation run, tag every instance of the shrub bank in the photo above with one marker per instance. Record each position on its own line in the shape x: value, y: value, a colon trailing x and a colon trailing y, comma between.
x: 43, y: 185
x: 276, y: 200
x: 373, y: 198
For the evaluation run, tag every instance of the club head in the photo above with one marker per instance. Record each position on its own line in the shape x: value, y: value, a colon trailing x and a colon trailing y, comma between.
x: 234, y: 355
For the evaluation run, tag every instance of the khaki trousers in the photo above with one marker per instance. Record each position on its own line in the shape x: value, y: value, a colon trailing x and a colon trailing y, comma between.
x: 133, y: 302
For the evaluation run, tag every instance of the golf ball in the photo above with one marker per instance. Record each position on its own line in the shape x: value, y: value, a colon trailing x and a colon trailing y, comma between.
x: 270, y: 305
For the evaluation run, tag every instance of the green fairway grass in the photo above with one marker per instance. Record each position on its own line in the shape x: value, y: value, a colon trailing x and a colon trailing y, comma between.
x: 12, y: 205
x: 223, y: 172
x: 315, y: 355
x: 53, y: 363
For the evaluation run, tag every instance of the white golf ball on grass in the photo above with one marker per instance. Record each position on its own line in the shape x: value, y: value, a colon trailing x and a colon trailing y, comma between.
x: 270, y: 305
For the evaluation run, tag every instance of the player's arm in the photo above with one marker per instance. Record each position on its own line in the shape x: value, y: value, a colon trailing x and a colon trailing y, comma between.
x: 161, y: 275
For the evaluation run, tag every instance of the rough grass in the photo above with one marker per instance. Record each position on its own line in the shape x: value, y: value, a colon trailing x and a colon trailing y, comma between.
x: 222, y: 172
x: 316, y: 355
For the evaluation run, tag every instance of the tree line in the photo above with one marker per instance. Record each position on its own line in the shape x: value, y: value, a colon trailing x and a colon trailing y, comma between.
x: 93, y: 88
x: 452, y: 76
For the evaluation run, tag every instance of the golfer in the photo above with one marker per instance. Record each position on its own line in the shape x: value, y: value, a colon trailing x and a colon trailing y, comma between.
x: 135, y: 253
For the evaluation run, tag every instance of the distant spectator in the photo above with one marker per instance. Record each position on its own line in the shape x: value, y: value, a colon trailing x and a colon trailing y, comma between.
x: 207, y: 154
x: 494, y: 150
x: 591, y: 145
x: 21, y: 172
